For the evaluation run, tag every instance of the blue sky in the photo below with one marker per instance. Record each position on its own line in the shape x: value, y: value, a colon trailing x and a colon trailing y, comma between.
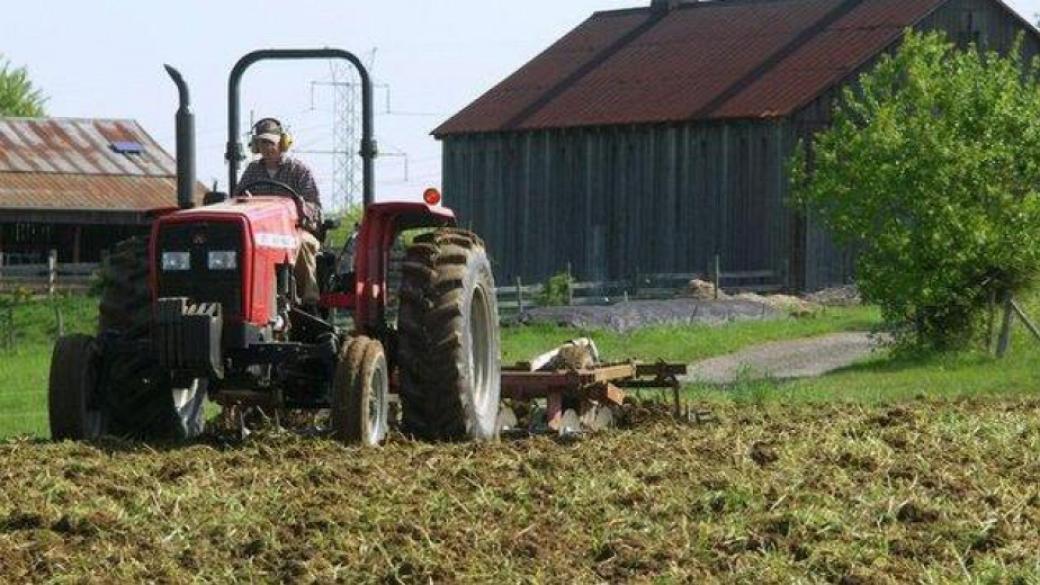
x: 103, y: 59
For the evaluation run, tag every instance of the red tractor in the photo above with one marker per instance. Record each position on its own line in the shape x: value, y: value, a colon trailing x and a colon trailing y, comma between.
x: 206, y: 309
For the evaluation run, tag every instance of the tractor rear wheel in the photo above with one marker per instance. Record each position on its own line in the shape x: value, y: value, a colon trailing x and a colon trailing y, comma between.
x: 448, y: 349
x: 141, y: 403
x: 126, y: 302
x: 74, y: 406
x: 361, y: 393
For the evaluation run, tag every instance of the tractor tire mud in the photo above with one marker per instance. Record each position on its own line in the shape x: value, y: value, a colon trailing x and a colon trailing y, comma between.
x: 126, y: 302
x: 360, y: 393
x: 71, y: 399
x: 448, y: 351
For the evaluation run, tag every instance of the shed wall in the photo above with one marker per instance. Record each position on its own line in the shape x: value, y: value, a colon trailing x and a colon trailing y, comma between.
x: 618, y: 201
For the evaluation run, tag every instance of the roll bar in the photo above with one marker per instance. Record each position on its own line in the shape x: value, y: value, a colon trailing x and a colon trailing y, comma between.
x: 368, y: 152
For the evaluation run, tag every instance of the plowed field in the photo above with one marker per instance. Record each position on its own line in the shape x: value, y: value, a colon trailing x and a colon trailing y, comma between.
x: 922, y: 491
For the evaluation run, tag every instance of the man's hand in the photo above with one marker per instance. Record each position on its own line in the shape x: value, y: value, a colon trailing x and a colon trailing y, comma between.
x: 312, y: 219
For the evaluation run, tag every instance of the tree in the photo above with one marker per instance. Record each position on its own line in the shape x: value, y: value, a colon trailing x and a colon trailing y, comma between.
x: 932, y: 169
x: 18, y: 97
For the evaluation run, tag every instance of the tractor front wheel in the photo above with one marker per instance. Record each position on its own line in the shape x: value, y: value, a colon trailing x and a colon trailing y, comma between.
x: 448, y: 350
x: 361, y: 393
x: 75, y: 410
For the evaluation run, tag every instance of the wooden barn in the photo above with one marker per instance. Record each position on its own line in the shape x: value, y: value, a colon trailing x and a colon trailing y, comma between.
x: 77, y: 186
x: 654, y: 139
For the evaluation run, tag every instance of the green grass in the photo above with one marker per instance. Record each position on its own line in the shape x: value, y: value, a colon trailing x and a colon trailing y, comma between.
x: 884, y: 379
x: 23, y: 395
x: 24, y: 369
x: 686, y: 344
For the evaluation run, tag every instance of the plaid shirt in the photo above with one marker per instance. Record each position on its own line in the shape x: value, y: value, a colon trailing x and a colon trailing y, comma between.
x: 293, y: 173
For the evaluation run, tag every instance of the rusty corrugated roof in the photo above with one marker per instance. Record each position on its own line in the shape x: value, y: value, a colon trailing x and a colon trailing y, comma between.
x: 703, y: 60
x: 72, y: 164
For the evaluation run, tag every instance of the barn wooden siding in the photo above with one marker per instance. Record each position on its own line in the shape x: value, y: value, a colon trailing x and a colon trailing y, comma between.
x: 617, y: 201
x: 620, y: 200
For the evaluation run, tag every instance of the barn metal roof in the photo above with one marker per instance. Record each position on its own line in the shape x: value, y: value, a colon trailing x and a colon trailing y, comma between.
x: 80, y: 164
x: 698, y: 61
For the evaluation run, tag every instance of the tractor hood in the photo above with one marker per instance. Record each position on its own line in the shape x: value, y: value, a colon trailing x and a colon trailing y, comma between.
x: 253, y: 209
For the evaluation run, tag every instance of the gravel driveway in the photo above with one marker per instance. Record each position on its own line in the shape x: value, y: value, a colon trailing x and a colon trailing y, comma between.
x: 800, y: 358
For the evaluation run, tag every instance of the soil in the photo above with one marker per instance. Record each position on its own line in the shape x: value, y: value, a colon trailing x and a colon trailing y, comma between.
x: 919, y: 491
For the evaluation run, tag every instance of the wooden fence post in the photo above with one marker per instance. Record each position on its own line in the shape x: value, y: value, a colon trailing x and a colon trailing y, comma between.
x: 1025, y: 319
x: 52, y: 272
x: 991, y: 320
x: 9, y: 338
x: 60, y: 320
x: 519, y: 295
x: 570, y: 287
x: 718, y: 275
x: 1005, y: 331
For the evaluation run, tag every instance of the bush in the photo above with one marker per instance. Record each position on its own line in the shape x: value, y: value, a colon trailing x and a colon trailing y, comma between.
x: 557, y: 291
x: 931, y: 169
x: 348, y: 219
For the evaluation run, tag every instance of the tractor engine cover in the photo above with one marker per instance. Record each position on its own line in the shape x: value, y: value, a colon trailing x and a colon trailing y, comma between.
x: 227, y: 254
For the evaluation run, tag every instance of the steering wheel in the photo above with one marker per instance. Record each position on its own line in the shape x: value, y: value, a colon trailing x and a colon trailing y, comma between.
x: 244, y: 191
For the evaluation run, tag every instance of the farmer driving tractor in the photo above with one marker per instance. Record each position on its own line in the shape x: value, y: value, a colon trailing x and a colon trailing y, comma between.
x: 271, y: 141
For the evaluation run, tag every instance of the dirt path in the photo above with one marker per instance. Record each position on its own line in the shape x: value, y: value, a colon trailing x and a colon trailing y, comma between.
x: 801, y: 358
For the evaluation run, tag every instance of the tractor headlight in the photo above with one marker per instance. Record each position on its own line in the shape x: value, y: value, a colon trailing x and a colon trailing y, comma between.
x: 176, y: 261
x: 223, y: 260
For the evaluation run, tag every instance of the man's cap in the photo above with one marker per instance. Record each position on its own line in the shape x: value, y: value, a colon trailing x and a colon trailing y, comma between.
x: 269, y: 130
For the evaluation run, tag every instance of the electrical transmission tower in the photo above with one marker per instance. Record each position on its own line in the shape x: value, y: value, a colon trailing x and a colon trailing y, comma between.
x: 346, y: 127
x: 346, y: 131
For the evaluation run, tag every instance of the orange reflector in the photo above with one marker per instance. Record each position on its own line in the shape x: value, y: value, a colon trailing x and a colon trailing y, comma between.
x: 432, y: 196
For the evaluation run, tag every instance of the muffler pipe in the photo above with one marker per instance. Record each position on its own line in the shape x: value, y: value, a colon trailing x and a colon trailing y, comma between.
x: 185, y: 143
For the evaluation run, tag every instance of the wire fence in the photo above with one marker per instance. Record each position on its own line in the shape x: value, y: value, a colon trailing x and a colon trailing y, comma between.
x: 14, y: 329
x: 518, y: 298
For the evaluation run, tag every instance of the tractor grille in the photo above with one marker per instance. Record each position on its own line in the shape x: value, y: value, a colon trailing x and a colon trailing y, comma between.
x: 200, y: 284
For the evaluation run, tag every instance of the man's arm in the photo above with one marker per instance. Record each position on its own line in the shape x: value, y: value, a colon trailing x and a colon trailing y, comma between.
x: 308, y: 189
x: 252, y: 174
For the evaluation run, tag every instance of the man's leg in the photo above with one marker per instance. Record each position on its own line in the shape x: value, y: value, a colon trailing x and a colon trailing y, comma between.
x: 306, y: 269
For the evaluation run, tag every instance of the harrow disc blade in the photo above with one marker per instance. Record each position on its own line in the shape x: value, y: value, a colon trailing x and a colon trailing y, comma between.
x: 570, y: 423
x: 507, y: 420
x: 599, y: 418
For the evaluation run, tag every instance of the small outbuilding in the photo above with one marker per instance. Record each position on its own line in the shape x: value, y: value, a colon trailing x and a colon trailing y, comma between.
x: 654, y: 139
x: 78, y: 186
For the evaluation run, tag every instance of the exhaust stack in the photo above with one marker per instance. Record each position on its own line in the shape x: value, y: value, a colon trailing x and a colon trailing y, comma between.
x: 185, y: 143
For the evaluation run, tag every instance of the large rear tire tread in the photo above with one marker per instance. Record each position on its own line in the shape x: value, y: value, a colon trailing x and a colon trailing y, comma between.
x: 139, y: 401
x: 126, y: 302
x: 443, y: 272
